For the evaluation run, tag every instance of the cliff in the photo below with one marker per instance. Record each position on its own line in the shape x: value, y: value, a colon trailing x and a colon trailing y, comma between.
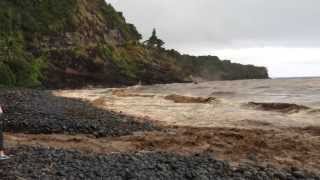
x: 74, y: 43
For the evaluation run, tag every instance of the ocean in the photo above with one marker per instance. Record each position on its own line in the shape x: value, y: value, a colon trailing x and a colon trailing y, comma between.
x: 236, y: 104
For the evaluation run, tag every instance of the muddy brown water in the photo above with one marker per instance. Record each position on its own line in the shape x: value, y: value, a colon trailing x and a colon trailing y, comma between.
x: 228, y: 110
x: 215, y: 117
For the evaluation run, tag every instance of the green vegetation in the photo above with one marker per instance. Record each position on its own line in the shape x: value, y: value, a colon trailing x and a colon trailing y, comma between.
x: 36, y: 16
x: 115, y: 20
x: 22, y: 22
x: 17, y: 66
x: 64, y: 43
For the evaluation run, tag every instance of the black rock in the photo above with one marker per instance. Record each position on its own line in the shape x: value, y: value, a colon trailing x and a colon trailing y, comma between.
x: 34, y: 111
x: 38, y: 163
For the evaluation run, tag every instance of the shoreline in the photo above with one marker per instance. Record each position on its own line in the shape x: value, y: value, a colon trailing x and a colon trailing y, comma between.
x: 72, y: 146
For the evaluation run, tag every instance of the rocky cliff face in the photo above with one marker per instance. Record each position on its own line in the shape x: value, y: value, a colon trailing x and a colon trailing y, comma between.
x: 212, y: 68
x: 74, y: 43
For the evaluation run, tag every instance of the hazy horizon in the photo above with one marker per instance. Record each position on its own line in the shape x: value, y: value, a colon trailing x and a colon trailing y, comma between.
x: 281, y: 35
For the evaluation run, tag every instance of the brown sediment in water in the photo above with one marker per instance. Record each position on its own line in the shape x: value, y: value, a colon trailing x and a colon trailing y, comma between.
x: 124, y: 93
x: 280, y: 148
x: 187, y: 99
x: 279, y: 107
x: 314, y: 130
x: 314, y: 111
x: 230, y: 109
x: 280, y: 134
x: 226, y: 93
x: 98, y: 101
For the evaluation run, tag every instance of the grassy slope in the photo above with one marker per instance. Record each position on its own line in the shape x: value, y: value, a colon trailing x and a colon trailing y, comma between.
x: 71, y: 43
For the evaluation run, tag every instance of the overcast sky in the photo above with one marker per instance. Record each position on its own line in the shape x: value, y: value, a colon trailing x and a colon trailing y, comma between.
x: 283, y: 35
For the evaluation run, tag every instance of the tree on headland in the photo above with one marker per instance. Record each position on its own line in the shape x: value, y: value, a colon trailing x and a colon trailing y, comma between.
x: 154, y: 41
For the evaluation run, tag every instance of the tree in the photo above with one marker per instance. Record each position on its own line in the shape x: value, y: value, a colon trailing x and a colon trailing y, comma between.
x: 154, y: 41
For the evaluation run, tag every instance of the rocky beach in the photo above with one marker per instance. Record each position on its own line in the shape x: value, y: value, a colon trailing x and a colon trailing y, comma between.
x: 86, y: 96
x: 78, y: 134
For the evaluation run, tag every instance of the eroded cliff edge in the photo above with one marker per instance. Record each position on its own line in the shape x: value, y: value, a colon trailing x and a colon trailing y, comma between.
x: 75, y: 43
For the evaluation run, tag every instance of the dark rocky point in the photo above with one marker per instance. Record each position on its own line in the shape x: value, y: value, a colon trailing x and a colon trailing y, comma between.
x: 32, y: 111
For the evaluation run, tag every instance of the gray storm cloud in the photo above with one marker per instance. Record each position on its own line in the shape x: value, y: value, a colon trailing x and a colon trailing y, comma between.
x: 227, y: 22
x: 261, y: 32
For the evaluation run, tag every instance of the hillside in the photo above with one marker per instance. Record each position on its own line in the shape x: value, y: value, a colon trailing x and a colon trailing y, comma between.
x: 75, y: 43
